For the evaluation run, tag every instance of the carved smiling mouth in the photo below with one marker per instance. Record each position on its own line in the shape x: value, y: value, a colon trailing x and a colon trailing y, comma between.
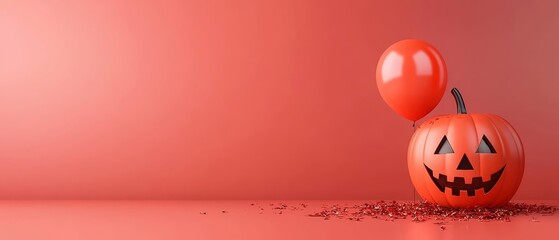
x: 459, y: 183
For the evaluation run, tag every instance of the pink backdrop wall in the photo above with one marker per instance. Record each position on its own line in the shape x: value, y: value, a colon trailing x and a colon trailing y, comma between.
x: 253, y: 99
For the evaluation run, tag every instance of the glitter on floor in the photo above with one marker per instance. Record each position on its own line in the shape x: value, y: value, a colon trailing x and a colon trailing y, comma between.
x: 260, y: 220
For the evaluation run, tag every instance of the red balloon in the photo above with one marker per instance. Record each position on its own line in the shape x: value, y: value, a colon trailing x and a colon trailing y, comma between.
x: 411, y: 78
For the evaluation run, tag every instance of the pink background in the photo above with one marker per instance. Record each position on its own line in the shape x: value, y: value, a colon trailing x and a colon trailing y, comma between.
x: 253, y: 99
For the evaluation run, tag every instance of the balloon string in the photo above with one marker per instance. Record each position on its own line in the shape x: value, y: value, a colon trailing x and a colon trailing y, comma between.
x: 412, y: 184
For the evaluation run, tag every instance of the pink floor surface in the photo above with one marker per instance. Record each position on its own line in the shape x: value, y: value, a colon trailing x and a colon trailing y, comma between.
x: 239, y: 220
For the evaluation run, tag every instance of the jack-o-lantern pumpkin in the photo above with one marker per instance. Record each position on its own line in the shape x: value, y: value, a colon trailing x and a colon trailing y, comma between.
x: 465, y: 160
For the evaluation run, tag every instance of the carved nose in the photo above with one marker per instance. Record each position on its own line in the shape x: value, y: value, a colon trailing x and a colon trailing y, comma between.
x: 465, y: 164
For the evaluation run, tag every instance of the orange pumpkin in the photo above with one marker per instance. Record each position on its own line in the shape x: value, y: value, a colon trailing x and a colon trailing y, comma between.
x: 465, y: 160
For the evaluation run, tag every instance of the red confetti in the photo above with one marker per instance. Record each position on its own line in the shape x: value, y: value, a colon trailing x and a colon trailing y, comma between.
x: 280, y: 207
x: 422, y: 211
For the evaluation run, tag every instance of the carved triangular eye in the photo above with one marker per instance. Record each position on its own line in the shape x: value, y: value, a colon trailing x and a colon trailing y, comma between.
x: 444, y: 147
x: 485, y: 146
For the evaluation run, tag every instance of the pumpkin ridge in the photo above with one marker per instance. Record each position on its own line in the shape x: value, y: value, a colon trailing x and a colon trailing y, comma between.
x: 423, y: 160
x: 519, y: 148
x: 477, y: 139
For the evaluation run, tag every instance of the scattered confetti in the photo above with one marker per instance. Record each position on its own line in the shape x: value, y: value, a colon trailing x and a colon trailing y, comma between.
x: 281, y: 206
x: 422, y: 211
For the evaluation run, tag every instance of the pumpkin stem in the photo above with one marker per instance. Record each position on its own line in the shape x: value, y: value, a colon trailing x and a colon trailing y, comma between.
x: 460, y: 106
